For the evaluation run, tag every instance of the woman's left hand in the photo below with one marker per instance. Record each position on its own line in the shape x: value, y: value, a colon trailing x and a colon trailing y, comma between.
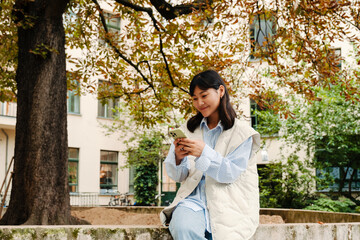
x: 193, y: 147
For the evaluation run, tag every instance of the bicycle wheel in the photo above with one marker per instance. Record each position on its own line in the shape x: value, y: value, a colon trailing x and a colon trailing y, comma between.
x: 112, y: 203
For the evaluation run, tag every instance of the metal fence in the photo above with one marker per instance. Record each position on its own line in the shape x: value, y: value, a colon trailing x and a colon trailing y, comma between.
x: 84, y: 199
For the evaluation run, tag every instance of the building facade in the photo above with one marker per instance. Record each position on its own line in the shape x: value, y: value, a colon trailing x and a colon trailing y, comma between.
x: 95, y: 157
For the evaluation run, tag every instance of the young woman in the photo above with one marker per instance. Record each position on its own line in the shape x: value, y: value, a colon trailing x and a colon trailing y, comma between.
x: 219, y: 197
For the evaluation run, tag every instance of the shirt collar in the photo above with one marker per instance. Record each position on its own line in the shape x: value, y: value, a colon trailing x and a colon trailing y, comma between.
x: 203, y: 123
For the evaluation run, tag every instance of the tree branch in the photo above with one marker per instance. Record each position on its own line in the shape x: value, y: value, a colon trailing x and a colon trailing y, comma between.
x: 118, y: 51
x: 148, y: 65
x: 149, y: 11
x: 167, y: 67
x: 349, y: 22
x: 166, y: 10
x: 158, y: 4
x: 171, y: 12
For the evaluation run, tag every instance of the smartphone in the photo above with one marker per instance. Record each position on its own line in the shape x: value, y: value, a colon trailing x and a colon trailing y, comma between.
x: 177, y: 133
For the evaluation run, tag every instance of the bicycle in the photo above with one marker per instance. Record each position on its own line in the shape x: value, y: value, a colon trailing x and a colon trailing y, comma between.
x: 157, y: 199
x: 114, y: 200
x: 124, y: 199
x: 120, y: 199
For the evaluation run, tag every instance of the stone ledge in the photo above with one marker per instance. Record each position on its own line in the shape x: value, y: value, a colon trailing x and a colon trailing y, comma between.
x: 310, y: 216
x: 289, y: 215
x: 331, y: 231
x: 83, y: 232
x: 308, y: 231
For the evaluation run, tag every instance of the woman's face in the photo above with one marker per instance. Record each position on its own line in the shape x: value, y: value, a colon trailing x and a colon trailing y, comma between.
x: 207, y: 101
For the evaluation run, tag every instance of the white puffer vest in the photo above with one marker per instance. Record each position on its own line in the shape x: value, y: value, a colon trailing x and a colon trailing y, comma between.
x: 233, y: 208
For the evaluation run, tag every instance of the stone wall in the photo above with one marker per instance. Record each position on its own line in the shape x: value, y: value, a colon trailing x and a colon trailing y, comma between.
x: 309, y: 216
x: 289, y: 215
x: 309, y: 231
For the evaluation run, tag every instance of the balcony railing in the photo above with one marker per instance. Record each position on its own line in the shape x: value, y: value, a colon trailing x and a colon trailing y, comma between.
x: 8, y: 109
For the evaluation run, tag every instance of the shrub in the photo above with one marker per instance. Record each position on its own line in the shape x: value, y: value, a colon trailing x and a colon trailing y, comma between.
x: 325, y: 203
x: 145, y: 158
x: 286, y: 184
x: 145, y: 184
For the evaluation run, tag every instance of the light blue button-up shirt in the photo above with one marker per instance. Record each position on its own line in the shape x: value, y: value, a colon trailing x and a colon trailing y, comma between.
x: 222, y: 169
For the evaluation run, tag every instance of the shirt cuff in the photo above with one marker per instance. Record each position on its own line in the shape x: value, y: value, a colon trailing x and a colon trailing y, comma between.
x: 203, y: 162
x: 183, y: 163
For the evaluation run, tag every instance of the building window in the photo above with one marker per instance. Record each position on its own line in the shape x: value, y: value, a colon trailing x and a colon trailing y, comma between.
x: 132, y: 173
x: 108, y: 171
x: 73, y: 168
x: 8, y: 109
x: 334, y: 58
x: 333, y: 66
x: 254, y: 117
x: 73, y: 99
x: 262, y: 29
x: 347, y: 175
x: 264, y: 119
x: 107, y: 106
x: 168, y: 185
x: 113, y: 23
x: 338, y: 62
x: 337, y: 157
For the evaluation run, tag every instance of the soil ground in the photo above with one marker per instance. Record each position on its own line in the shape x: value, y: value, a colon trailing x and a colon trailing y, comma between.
x: 110, y: 216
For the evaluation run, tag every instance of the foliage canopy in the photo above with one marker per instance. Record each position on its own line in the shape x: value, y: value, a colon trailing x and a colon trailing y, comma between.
x: 327, y: 131
x: 162, y: 44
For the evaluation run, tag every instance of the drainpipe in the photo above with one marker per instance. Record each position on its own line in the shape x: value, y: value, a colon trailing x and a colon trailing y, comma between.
x: 6, y: 152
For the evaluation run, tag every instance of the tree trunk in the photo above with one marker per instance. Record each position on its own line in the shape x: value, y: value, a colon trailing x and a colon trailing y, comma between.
x: 40, y: 193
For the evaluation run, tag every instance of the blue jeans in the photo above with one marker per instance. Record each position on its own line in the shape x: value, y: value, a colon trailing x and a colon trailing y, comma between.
x: 187, y: 224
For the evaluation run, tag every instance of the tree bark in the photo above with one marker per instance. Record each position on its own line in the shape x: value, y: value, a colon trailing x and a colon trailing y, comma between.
x: 40, y: 193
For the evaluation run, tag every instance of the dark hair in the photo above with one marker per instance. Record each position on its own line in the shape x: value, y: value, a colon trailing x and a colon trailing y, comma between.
x: 211, y: 79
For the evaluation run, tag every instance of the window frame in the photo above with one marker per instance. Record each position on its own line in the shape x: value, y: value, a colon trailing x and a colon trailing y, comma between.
x: 104, y: 188
x: 112, y: 28
x: 167, y: 184
x: 338, y: 52
x: 330, y: 155
x: 255, y: 30
x: 355, y: 184
x: 72, y: 94
x: 108, y: 19
x: 253, y: 106
x: 110, y: 112
x: 76, y: 97
x: 255, y: 122
x: 132, y: 174
x: 74, y: 160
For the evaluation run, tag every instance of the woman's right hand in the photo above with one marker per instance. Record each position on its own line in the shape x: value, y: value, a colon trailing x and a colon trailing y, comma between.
x: 180, y: 153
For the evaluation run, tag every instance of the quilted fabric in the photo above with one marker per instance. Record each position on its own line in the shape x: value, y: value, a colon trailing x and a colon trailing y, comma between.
x: 233, y: 208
